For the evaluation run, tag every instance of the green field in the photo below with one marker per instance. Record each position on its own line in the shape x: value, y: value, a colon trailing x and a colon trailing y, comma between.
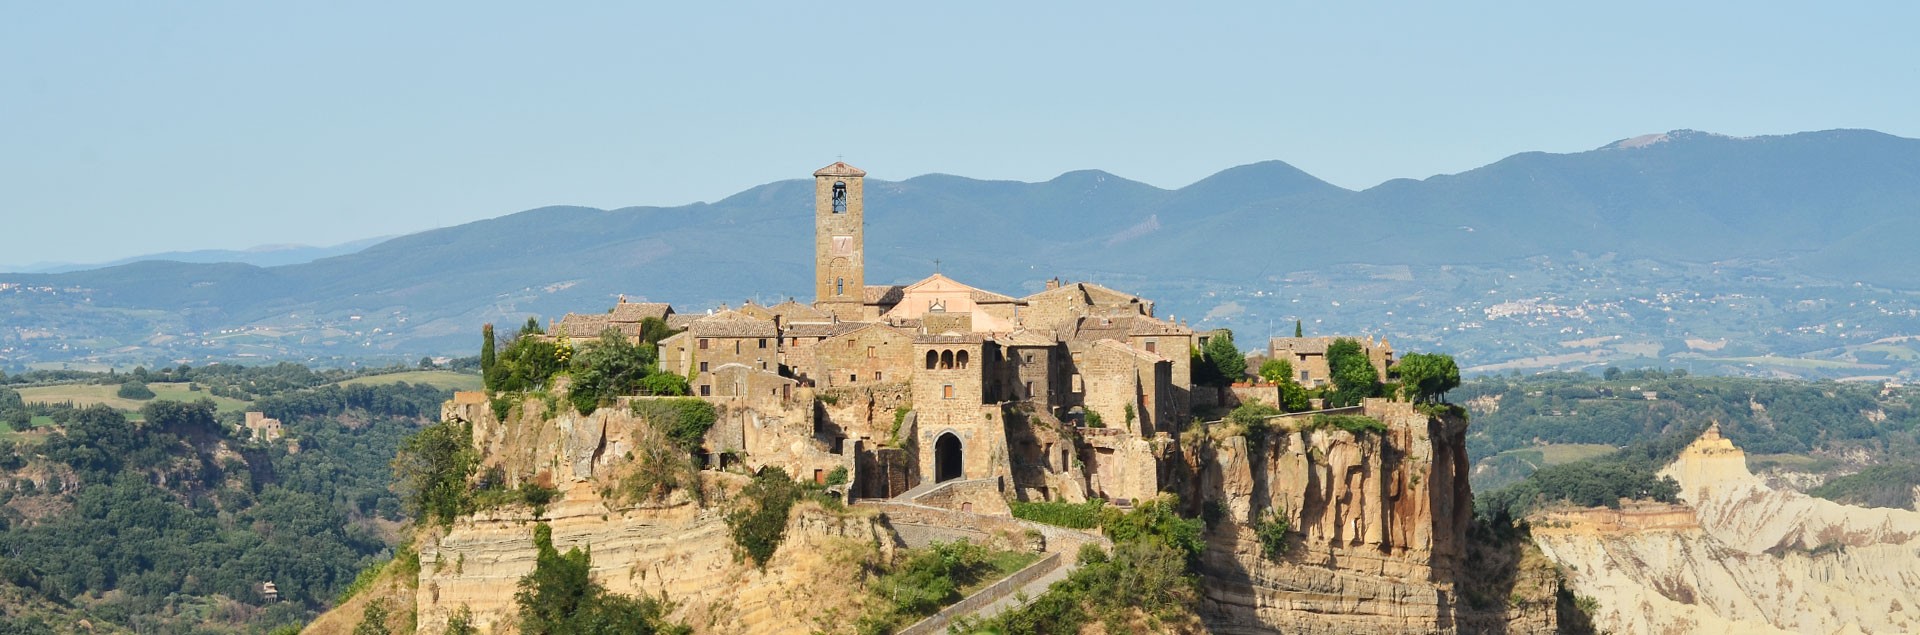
x: 1560, y: 453
x: 89, y: 394
x: 443, y: 379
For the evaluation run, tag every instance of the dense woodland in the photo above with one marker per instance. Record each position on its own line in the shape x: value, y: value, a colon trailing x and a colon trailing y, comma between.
x: 171, y: 520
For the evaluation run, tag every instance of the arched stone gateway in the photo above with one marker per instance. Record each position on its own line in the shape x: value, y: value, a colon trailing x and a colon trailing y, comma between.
x: 946, y: 458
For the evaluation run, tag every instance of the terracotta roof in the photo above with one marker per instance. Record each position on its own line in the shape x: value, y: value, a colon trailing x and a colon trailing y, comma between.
x: 637, y: 311
x: 1143, y: 325
x: 680, y: 321
x: 1308, y: 345
x: 816, y: 329
x: 731, y: 324
x: 989, y: 297
x: 883, y: 294
x: 797, y: 313
x: 1027, y: 337
x: 583, y: 326
x: 839, y: 168
x: 1128, y: 350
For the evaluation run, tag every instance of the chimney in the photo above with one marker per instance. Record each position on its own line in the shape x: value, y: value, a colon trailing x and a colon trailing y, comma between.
x: 1053, y: 283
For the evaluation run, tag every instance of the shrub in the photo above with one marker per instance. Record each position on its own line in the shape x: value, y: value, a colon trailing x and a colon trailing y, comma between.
x: 684, y: 421
x: 1252, y: 418
x: 558, y: 597
x: 1085, y: 515
x: 1157, y: 521
x: 837, y: 477
x: 758, y: 521
x: 1271, y: 529
x: 1355, y: 424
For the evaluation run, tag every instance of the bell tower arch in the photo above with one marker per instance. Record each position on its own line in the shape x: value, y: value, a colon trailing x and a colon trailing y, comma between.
x: 839, y: 248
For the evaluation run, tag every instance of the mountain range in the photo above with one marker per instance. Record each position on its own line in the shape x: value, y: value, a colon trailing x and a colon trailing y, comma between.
x: 1841, y: 206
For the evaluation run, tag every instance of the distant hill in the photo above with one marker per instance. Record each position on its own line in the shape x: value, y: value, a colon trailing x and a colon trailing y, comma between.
x: 1841, y: 205
x: 262, y: 256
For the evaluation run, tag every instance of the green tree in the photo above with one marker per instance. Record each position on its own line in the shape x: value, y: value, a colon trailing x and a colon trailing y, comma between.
x: 487, y: 373
x: 1354, y: 377
x: 1225, y: 358
x: 1426, y: 377
x: 1296, y: 329
x: 1276, y: 370
x: 431, y: 470
x: 135, y: 389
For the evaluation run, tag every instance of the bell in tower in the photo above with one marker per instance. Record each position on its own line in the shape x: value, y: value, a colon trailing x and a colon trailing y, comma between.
x: 839, y: 258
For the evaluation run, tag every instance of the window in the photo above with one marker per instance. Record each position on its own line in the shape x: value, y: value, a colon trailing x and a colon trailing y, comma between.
x: 703, y: 367
x: 1303, y: 375
x: 1151, y: 346
x: 736, y: 347
x: 853, y: 377
x: 946, y: 391
x: 1029, y: 358
x: 876, y: 375
x: 703, y: 343
x: 763, y: 343
x: 706, y: 390
x: 871, y: 353
x: 839, y: 286
x: 960, y: 360
x: 933, y: 359
x: 839, y: 197
x: 1029, y: 390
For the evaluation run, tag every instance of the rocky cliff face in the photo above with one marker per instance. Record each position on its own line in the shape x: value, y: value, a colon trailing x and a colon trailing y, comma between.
x: 1741, y: 557
x: 676, y: 548
x: 1381, y: 546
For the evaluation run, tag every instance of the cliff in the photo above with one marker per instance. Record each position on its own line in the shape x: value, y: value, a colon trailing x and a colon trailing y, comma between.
x: 1740, y: 557
x: 1380, y: 544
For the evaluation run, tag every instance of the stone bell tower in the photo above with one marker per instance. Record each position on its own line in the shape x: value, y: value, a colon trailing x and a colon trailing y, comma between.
x: 839, y: 239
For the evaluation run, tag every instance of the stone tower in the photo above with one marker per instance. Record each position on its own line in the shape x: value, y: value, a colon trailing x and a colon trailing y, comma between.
x: 839, y: 239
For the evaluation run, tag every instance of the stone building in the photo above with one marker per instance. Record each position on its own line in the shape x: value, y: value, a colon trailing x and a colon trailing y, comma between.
x: 1309, y: 356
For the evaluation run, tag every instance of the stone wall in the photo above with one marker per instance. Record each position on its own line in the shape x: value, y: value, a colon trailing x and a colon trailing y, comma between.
x: 875, y: 354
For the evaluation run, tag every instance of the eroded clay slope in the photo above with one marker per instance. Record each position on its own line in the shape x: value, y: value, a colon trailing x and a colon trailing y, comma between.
x: 1748, y: 559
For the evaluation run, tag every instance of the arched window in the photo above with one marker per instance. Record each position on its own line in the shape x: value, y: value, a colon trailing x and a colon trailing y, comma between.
x: 839, y: 197
x: 960, y: 360
x: 946, y: 359
x: 933, y: 359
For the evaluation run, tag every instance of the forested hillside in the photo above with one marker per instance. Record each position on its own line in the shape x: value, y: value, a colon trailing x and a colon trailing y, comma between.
x: 171, y: 518
x: 1590, y: 438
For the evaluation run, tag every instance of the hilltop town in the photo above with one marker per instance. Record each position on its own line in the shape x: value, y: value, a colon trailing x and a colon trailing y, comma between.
x: 957, y: 360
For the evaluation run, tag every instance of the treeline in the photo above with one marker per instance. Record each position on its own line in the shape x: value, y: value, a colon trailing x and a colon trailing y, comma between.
x: 1762, y: 416
x: 1417, y: 377
x: 234, y: 381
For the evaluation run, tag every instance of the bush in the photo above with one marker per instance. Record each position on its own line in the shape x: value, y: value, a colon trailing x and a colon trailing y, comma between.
x: 837, y: 477
x: 1355, y: 424
x: 134, y: 389
x: 1252, y: 418
x: 558, y: 597
x: 1085, y: 515
x: 684, y: 421
x: 758, y: 521
x: 431, y: 470
x: 1156, y: 520
x: 1271, y: 529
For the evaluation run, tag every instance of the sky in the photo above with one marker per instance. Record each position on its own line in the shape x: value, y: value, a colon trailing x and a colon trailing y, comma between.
x: 141, y: 127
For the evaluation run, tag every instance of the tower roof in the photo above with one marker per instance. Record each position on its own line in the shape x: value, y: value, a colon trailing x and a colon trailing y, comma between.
x: 840, y: 168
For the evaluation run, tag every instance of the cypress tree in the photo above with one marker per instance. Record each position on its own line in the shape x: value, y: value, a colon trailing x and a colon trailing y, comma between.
x: 1296, y: 329
x: 486, y: 356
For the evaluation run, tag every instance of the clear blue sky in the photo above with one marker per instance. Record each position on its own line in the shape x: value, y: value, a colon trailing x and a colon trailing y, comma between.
x: 139, y: 127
